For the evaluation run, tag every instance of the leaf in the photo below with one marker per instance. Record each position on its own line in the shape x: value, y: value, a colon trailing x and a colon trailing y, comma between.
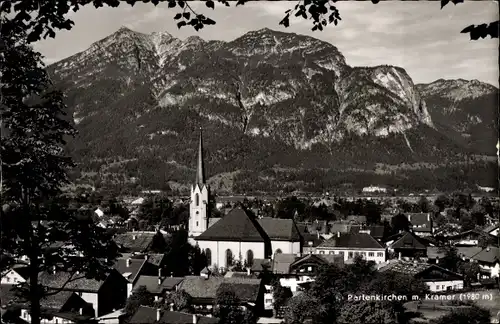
x: 181, y: 3
x: 240, y: 2
x: 444, y: 3
x: 171, y: 4
x: 208, y: 21
x: 210, y: 4
x: 186, y: 15
x: 181, y: 24
x: 178, y: 16
x: 285, y: 21
x: 375, y: 1
x: 455, y: 2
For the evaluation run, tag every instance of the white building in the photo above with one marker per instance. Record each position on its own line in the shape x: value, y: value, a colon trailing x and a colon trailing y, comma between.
x: 14, y: 275
x: 238, y: 236
x: 351, y: 245
x: 372, y: 189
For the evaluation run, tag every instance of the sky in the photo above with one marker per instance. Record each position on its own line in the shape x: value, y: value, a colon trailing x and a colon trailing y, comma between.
x: 416, y: 36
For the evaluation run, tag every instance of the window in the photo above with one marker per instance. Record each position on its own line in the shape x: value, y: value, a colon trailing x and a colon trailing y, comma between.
x: 197, y: 223
x: 309, y: 269
x: 371, y: 254
x: 350, y: 255
x: 197, y: 200
x: 208, y: 254
x: 341, y: 253
x: 269, y: 301
x: 229, y: 258
x: 250, y: 257
x: 321, y: 252
x: 278, y: 251
x: 380, y: 254
x: 8, y: 279
x: 332, y: 252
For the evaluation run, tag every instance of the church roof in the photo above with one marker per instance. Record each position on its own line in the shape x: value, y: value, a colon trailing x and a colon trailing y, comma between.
x: 280, y: 229
x: 238, y: 226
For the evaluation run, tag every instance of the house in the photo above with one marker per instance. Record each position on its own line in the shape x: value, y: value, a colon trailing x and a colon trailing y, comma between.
x: 115, y: 317
x: 434, y: 253
x: 158, y: 286
x: 489, y: 261
x: 154, y: 262
x: 421, y: 223
x: 437, y: 278
x: 294, y: 270
x: 15, y: 275
x: 350, y: 245
x: 203, y: 290
x: 492, y: 229
x: 311, y: 242
x: 260, y: 266
x: 150, y: 315
x: 130, y: 269
x: 409, y: 246
x: 105, y: 295
x: 140, y: 242
x: 356, y: 219
x: 471, y: 238
x: 63, y: 307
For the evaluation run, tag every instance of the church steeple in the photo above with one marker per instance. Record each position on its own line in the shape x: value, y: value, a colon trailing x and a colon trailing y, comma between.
x: 200, y: 167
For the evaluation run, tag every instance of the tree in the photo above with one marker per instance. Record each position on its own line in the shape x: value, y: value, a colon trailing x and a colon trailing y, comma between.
x: 368, y: 312
x: 470, y: 271
x: 467, y: 222
x: 34, y: 169
x: 182, y: 301
x: 301, y: 307
x: 424, y: 205
x: 451, y: 260
x: 281, y: 295
x: 228, y: 308
x: 140, y: 297
x: 288, y: 207
x: 442, y: 202
x: 468, y: 315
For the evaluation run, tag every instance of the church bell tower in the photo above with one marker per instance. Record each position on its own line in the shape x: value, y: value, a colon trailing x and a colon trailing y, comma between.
x: 198, y: 207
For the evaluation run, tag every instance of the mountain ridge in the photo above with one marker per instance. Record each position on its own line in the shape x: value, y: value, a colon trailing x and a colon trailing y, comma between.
x: 266, y: 98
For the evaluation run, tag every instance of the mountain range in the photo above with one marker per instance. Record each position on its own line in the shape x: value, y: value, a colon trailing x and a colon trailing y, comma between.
x: 279, y: 111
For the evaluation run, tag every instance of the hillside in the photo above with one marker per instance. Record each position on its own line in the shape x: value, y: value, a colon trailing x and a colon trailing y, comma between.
x: 267, y: 101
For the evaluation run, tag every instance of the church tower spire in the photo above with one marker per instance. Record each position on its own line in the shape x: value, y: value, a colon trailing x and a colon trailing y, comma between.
x: 198, y: 208
x: 200, y: 167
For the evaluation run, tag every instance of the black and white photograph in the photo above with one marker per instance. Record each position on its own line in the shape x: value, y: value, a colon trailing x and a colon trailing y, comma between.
x: 245, y: 162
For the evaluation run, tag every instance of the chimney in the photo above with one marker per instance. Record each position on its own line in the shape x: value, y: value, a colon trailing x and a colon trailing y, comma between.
x: 488, y: 249
x: 428, y: 217
x: 81, y: 311
x: 145, y: 256
x: 54, y: 269
x: 134, y: 237
x: 248, y: 272
x: 171, y: 307
x: 195, y: 319
x: 158, y: 314
x: 338, y: 234
x: 128, y: 262
x: 159, y: 272
x: 159, y: 281
x: 317, y: 232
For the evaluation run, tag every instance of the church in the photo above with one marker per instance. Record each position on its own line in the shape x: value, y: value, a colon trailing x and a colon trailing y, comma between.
x: 237, y: 236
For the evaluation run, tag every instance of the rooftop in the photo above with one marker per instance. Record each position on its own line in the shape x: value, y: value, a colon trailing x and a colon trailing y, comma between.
x: 206, y: 288
x: 280, y: 229
x: 352, y: 241
x: 235, y: 226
